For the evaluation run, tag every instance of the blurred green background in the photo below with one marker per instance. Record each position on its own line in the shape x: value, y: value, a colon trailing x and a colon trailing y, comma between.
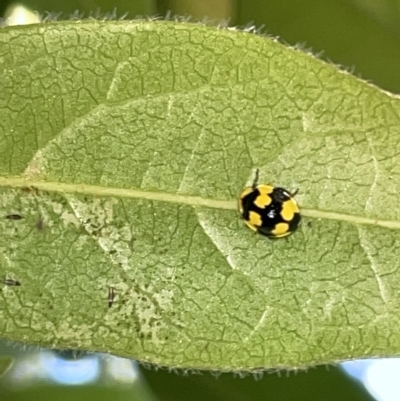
x: 363, y: 36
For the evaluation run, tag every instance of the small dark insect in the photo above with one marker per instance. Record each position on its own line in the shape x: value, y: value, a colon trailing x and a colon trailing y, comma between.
x: 111, y: 296
x: 10, y: 282
x: 14, y: 216
x: 40, y: 225
x: 131, y: 242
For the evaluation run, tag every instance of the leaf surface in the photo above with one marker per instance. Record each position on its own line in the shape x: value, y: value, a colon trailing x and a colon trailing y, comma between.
x: 124, y: 146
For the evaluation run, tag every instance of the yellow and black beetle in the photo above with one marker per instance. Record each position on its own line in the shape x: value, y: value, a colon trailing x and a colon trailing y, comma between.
x: 271, y: 211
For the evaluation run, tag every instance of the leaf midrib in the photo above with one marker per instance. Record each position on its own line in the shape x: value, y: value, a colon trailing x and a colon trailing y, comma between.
x: 194, y: 201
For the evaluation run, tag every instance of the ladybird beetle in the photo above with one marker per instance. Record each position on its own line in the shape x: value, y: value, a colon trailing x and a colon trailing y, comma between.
x: 271, y: 211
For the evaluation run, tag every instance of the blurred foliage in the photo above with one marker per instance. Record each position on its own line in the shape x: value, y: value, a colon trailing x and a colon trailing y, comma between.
x: 24, y: 380
x: 76, y: 393
x: 6, y: 362
x: 346, y: 34
x: 323, y: 383
x: 215, y: 11
x: 88, y: 7
x: 386, y: 12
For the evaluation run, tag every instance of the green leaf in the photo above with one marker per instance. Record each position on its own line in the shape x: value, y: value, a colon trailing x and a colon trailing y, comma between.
x: 124, y: 146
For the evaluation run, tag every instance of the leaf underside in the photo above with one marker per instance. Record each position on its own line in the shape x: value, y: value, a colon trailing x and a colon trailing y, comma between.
x: 112, y: 133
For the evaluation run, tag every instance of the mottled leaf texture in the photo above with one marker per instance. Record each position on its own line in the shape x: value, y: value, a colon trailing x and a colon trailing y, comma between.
x: 123, y: 148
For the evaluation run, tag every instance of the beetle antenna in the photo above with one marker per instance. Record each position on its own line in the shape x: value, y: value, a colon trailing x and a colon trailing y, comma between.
x: 255, y: 179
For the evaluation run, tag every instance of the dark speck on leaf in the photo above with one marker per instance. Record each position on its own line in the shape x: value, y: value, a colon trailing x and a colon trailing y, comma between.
x: 14, y: 216
x: 10, y: 282
x: 40, y: 224
x: 111, y: 296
